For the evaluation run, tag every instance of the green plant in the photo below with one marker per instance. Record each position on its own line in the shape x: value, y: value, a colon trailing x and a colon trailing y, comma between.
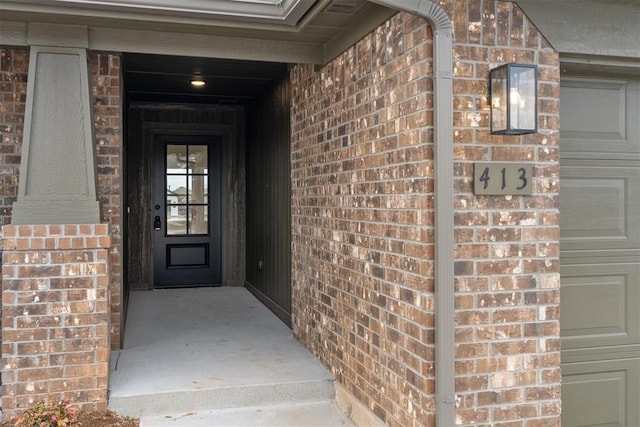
x: 48, y: 414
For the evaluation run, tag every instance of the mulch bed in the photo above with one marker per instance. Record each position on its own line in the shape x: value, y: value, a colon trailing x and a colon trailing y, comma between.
x: 97, y: 419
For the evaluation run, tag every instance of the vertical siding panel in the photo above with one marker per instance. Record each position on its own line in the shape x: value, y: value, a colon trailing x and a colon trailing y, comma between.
x: 268, y: 200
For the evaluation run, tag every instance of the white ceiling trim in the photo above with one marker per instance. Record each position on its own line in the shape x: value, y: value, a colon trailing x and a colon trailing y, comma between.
x: 158, y: 42
x: 283, y: 12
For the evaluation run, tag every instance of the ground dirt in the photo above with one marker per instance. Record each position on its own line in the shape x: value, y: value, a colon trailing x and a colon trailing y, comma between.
x: 96, y: 419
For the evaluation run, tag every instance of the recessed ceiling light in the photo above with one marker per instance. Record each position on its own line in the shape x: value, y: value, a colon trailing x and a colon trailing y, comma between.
x: 197, y: 82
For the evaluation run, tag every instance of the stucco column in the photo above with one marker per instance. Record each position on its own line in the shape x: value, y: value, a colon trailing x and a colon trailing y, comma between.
x: 57, y: 182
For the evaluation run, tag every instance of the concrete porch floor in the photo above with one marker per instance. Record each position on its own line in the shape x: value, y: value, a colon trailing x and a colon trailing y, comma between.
x: 216, y: 356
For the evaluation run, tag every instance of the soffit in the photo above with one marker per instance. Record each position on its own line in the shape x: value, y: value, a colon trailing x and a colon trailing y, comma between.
x: 285, y: 12
x: 311, y: 30
x: 321, y: 28
x: 563, y: 22
x: 588, y: 27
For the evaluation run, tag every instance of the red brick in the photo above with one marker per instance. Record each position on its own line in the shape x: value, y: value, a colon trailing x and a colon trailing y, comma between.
x: 37, y: 348
x: 39, y: 374
x: 502, y: 397
x: 508, y: 229
x: 397, y: 214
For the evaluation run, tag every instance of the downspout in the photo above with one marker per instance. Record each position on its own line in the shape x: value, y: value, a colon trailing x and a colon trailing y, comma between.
x: 444, y: 208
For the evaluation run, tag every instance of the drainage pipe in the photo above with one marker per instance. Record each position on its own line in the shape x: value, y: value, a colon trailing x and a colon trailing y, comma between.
x: 444, y: 208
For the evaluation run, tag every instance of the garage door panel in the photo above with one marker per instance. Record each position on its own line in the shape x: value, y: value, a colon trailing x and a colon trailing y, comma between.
x: 601, y: 308
x: 597, y: 202
x: 599, y: 115
x: 600, y: 250
x: 600, y: 394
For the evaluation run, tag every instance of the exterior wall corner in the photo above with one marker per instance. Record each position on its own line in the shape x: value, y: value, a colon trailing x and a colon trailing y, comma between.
x: 363, y: 224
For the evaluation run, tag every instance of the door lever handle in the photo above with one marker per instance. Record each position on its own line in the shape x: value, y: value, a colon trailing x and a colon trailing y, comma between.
x: 157, y: 224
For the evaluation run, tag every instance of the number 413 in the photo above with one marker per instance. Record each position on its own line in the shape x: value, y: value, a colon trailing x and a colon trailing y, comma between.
x: 502, y: 178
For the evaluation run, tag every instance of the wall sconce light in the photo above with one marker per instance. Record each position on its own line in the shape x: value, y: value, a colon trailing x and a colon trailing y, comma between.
x: 513, y: 91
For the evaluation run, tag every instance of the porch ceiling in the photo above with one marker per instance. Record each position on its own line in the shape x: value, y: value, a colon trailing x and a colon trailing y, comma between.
x: 160, y: 78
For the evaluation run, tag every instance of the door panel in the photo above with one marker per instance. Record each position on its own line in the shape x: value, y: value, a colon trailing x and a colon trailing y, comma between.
x: 598, y: 198
x: 187, y: 211
x: 601, y: 306
x: 600, y: 116
x: 597, y: 394
x: 600, y: 251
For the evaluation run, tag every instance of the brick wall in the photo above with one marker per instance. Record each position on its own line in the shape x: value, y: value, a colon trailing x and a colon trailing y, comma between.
x: 106, y: 86
x: 507, y: 265
x: 107, y: 111
x: 13, y: 92
x: 362, y: 224
x: 55, y: 323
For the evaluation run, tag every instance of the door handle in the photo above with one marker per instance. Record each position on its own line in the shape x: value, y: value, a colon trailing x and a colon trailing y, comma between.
x: 157, y: 224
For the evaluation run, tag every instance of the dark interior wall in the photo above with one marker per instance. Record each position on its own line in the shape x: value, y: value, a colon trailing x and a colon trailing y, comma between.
x: 268, y: 200
x: 145, y: 120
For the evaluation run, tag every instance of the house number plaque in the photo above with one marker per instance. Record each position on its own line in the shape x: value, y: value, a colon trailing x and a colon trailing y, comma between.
x: 502, y: 178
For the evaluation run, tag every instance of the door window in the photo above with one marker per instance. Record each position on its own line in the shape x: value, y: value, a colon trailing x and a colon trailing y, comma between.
x: 187, y: 190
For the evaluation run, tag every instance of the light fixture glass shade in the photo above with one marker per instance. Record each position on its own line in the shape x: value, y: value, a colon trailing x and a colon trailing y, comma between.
x: 514, y: 99
x: 198, y: 82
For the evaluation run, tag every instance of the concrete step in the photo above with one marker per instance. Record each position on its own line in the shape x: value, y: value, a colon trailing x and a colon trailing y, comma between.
x: 255, y: 395
x: 318, y: 414
x: 206, y: 349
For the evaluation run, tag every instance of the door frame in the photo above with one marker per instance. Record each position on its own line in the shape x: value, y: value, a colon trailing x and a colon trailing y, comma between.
x: 233, y: 195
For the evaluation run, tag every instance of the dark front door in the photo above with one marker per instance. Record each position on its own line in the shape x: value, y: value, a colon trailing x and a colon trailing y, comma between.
x: 187, y: 236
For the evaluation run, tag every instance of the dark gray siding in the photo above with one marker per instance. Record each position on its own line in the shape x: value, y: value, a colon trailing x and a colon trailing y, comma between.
x: 269, y: 201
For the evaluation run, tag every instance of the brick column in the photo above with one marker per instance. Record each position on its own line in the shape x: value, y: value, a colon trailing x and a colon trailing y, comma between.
x: 55, y: 315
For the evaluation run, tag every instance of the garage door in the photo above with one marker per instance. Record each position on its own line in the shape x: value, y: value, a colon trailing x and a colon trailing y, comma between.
x: 600, y: 251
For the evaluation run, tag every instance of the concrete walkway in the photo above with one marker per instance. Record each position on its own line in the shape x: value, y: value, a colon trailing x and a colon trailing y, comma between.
x: 319, y: 414
x: 216, y: 356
